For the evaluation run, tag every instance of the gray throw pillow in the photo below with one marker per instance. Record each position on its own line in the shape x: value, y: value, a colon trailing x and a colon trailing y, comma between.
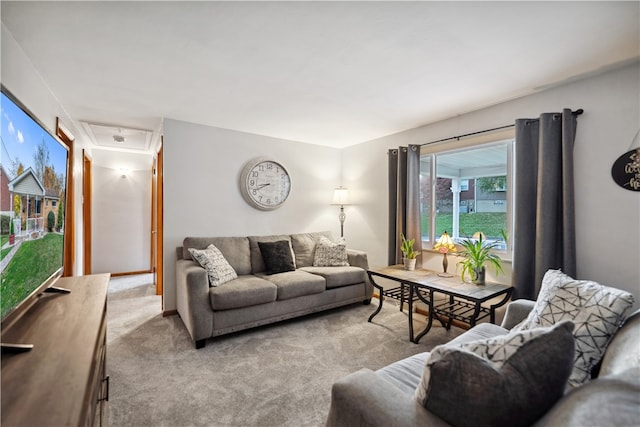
x: 511, y: 379
x: 277, y: 256
x: 218, y: 268
x: 597, y: 312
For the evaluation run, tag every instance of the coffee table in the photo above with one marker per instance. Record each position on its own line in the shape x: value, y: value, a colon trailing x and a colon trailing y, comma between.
x: 462, y: 302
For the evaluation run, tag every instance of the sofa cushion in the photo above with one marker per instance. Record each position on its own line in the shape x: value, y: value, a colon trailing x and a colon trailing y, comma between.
x: 245, y: 291
x: 337, y: 277
x: 257, y: 263
x: 218, y: 269
x: 330, y: 254
x: 294, y: 284
x: 624, y: 350
x: 510, y: 379
x: 596, y: 310
x: 479, y: 332
x: 406, y: 373
x: 277, y: 256
x: 234, y: 249
x: 304, y: 247
x: 608, y: 401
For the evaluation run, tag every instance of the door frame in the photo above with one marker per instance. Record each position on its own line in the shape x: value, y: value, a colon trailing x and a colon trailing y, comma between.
x: 86, y: 210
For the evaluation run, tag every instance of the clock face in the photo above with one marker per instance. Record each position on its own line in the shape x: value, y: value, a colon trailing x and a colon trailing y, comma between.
x: 265, y: 184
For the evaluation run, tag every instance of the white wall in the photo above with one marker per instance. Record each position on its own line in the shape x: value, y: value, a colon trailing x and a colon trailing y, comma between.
x: 202, y: 196
x: 121, y: 212
x: 607, y: 217
x: 19, y: 76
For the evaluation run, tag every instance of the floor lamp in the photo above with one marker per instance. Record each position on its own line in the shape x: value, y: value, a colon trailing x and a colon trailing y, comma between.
x: 341, y: 198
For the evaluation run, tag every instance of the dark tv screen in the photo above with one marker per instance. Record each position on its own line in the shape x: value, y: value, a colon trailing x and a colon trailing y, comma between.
x: 34, y: 167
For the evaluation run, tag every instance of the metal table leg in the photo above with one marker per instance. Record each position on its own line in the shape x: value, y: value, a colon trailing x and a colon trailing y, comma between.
x: 380, y: 294
x: 492, y: 310
x: 431, y: 314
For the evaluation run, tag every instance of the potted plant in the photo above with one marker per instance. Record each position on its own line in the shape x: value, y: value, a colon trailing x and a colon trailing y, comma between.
x: 476, y: 253
x: 408, y: 252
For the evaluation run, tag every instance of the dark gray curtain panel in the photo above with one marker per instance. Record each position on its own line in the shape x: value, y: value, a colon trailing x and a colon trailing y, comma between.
x: 544, y: 228
x: 404, y: 200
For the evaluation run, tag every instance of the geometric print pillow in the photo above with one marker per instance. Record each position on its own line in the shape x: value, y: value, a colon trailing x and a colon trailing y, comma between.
x: 330, y: 254
x: 218, y: 268
x: 597, y: 312
x: 509, y: 379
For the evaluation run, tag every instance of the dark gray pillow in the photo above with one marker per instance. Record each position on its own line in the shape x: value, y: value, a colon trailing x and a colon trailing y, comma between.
x: 512, y: 379
x: 277, y: 256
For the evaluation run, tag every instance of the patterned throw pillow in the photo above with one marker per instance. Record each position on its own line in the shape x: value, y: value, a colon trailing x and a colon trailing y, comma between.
x: 330, y: 254
x: 218, y: 268
x: 511, y: 379
x: 596, y: 310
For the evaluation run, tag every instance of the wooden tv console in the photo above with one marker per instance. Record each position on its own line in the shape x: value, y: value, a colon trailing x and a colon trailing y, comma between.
x: 62, y: 380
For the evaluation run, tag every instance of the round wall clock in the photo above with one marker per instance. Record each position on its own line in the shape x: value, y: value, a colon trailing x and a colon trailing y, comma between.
x: 265, y: 184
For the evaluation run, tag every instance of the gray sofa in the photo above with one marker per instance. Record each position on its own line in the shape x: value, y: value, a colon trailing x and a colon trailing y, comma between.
x: 385, y: 397
x: 256, y: 298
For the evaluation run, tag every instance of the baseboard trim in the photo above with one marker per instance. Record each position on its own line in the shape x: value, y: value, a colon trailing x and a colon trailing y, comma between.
x: 167, y: 313
x: 131, y: 273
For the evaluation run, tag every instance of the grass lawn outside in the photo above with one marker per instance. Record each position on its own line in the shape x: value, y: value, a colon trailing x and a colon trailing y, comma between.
x: 490, y: 223
x: 35, y: 262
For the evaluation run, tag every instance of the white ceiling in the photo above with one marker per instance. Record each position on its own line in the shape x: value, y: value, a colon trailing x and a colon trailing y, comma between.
x: 329, y: 73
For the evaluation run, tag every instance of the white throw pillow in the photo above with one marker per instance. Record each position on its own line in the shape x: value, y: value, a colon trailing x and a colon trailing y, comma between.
x: 597, y: 312
x: 218, y: 268
x: 330, y: 254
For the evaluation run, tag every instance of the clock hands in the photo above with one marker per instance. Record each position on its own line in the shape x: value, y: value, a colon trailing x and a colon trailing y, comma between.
x: 262, y: 186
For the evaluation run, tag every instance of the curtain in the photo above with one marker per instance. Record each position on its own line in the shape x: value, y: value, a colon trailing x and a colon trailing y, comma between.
x: 544, y: 227
x: 404, y: 200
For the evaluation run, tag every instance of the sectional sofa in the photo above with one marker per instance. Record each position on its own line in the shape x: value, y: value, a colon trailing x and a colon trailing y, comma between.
x: 264, y: 283
x: 583, y: 369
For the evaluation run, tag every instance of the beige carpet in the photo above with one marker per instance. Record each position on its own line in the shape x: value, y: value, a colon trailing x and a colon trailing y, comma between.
x: 277, y: 375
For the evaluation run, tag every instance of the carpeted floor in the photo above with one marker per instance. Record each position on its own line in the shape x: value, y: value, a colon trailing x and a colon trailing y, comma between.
x: 277, y: 375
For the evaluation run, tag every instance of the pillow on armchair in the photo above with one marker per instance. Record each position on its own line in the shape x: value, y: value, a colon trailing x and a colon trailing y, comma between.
x: 597, y: 312
x: 511, y: 379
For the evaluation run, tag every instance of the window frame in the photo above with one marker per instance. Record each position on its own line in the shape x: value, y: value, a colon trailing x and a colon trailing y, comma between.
x: 485, y: 139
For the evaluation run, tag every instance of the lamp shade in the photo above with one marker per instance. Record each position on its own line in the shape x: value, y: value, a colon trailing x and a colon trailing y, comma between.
x: 340, y: 196
x: 445, y: 243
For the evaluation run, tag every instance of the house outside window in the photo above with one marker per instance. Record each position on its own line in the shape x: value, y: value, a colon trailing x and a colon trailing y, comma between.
x: 465, y: 188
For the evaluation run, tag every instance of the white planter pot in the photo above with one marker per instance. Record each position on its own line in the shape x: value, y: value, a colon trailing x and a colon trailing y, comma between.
x: 409, y: 264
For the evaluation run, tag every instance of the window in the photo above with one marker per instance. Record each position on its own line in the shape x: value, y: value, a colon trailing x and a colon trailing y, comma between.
x: 465, y: 189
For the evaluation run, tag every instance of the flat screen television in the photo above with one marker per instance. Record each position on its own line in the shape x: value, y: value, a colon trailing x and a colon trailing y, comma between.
x: 34, y: 164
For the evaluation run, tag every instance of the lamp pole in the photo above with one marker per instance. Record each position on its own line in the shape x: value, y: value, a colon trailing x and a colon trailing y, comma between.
x: 342, y: 217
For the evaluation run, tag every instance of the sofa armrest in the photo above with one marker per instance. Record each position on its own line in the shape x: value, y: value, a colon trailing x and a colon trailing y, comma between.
x: 192, y: 299
x: 517, y: 311
x: 364, y: 398
x: 358, y: 258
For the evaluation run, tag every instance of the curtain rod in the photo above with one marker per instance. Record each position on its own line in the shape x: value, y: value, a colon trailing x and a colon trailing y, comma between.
x: 575, y: 113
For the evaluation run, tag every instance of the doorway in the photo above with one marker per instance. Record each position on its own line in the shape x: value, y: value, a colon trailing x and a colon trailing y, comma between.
x: 86, y: 211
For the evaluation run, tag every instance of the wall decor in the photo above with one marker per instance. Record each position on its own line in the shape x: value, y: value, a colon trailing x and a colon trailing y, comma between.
x: 265, y: 184
x: 626, y: 169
